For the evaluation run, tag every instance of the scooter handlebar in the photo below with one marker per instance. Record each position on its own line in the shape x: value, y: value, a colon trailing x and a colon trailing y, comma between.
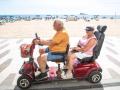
x: 36, y: 36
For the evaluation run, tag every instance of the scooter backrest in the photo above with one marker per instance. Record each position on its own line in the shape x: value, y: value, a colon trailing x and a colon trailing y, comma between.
x: 66, y: 53
x: 67, y: 49
x: 100, y: 38
x: 101, y: 29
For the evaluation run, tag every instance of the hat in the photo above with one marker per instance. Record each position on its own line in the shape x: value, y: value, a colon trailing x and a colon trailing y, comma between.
x: 89, y: 28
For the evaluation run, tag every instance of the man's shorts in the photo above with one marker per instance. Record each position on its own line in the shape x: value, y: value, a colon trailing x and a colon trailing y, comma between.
x: 53, y: 57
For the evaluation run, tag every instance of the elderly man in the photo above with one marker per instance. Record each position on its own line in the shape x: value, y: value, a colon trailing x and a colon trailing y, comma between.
x: 58, y: 44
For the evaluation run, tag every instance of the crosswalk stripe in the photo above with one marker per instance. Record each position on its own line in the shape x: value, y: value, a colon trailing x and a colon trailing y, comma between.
x: 113, y: 73
x: 19, y: 41
x: 3, y: 41
x: 113, y: 60
x: 15, y: 79
x: 105, y: 74
x: 111, y: 50
x: 110, y: 43
x: 5, y: 73
x: 8, y: 81
x: 3, y: 46
x: 5, y: 64
x: 4, y: 53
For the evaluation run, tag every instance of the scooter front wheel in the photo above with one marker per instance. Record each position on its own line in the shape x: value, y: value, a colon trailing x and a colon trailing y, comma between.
x: 24, y: 82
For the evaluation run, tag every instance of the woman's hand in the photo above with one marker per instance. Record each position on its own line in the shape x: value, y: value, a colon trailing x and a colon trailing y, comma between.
x: 76, y: 48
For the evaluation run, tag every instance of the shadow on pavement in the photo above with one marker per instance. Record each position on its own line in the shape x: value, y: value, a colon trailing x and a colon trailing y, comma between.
x: 65, y: 85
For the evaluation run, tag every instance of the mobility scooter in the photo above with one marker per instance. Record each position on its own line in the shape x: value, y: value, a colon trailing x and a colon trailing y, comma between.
x: 87, y: 69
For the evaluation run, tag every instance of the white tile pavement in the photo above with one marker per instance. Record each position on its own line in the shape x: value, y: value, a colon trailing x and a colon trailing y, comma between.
x: 13, y: 68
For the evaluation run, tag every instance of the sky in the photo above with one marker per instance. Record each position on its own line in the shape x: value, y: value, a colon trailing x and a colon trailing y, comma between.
x: 92, y: 7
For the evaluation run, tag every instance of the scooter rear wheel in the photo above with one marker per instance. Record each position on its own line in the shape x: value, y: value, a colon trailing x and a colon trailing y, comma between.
x: 95, y: 77
x: 24, y: 82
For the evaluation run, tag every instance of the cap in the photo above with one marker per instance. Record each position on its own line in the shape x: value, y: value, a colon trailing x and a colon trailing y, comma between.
x: 89, y: 28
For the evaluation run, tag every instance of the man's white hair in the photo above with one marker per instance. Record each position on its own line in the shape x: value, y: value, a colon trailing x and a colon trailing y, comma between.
x: 59, y: 22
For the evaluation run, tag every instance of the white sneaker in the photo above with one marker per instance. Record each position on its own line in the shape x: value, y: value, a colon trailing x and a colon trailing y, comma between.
x: 65, y: 67
x: 67, y: 76
x: 37, y: 73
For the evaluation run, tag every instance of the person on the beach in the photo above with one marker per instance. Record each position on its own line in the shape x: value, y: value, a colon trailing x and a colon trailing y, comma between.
x: 57, y: 44
x: 84, y: 49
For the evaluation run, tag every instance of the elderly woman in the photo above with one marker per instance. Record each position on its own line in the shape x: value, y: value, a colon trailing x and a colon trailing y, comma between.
x: 84, y: 49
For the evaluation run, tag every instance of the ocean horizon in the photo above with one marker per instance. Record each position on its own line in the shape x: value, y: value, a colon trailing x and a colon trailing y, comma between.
x: 63, y: 16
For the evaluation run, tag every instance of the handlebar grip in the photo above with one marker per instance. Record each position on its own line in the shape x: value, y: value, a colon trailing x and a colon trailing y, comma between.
x: 36, y: 36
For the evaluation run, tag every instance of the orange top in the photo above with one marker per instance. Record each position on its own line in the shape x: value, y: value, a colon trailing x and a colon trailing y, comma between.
x: 59, y: 42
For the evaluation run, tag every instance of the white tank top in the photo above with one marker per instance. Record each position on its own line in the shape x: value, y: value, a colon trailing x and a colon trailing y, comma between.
x: 84, y: 41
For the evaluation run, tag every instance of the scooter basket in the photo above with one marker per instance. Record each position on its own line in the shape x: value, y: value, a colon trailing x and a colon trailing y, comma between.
x: 25, y: 50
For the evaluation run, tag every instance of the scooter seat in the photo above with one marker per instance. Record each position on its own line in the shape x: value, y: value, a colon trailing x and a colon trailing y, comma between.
x: 86, y: 60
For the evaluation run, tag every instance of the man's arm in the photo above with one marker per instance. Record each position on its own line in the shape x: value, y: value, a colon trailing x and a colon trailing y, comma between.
x: 48, y: 42
x: 43, y: 42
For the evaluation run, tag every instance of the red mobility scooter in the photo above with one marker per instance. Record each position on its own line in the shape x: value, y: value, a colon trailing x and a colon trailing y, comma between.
x: 87, y: 69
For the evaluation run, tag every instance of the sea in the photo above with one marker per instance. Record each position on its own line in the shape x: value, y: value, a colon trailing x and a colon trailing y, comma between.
x: 79, y: 16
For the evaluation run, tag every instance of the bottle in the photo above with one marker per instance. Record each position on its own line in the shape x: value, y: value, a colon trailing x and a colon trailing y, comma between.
x: 76, y: 62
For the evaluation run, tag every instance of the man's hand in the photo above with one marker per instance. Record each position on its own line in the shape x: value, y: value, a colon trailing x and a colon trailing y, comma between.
x: 36, y: 41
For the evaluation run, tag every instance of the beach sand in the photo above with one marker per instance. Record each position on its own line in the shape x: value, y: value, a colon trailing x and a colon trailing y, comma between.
x: 26, y: 29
